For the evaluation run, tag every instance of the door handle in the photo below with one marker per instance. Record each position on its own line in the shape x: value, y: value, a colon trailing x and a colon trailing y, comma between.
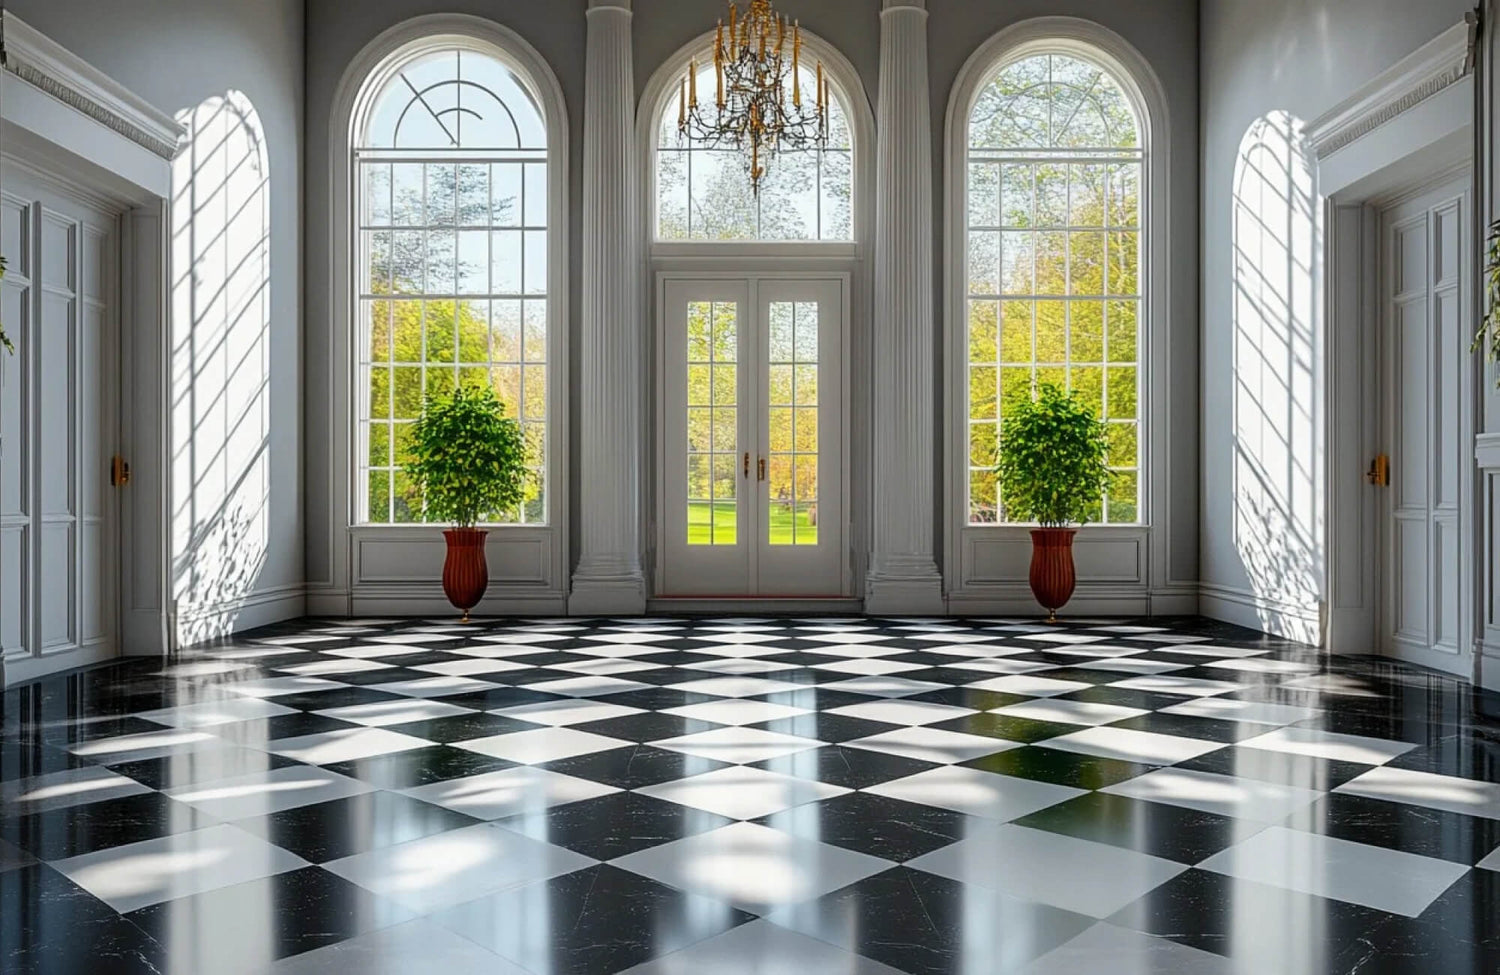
x: 747, y: 463
x: 761, y: 470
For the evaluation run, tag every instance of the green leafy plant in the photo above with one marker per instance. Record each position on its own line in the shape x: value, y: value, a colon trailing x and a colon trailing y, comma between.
x: 1489, y: 322
x: 5, y: 339
x: 1052, y: 459
x: 468, y: 458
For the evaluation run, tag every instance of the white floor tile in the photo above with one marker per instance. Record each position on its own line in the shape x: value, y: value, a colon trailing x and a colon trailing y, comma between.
x: 736, y: 711
x: 1329, y: 745
x: 262, y: 793
x: 332, y: 666
x: 1446, y: 792
x: 1248, y: 712
x: 966, y: 790
x: 1068, y: 712
x: 473, y: 666
x: 1263, y: 665
x: 753, y: 867
x: 1491, y: 862
x: 589, y: 685
x: 742, y: 793
x: 737, y: 686
x: 345, y: 745
x: 1184, y: 686
x: 140, y: 874
x: 1003, y: 665
x: 1133, y: 746
x: 1226, y: 795
x: 891, y: 686
x: 415, y: 946
x: 450, y: 868
x: 510, y: 792
x: 1387, y: 880
x: 740, y: 667
x: 1032, y: 686
x: 1106, y: 948
x: 147, y: 744
x: 440, y: 686
x: 378, y: 714
x: 277, y: 686
x: 739, y: 745
x: 541, y: 745
x: 211, y: 713
x: 566, y: 712
x: 760, y: 948
x: 933, y: 744
x: 69, y: 787
x: 1031, y: 864
x: 903, y: 712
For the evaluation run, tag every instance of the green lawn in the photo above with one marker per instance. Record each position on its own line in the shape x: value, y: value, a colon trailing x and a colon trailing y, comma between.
x: 700, y: 529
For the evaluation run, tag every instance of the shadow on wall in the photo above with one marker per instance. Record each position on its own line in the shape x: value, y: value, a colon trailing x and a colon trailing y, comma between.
x: 221, y: 361
x: 1278, y: 441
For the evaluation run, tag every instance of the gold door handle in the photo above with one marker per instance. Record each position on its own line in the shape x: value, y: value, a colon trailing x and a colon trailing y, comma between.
x: 1379, y: 473
x: 747, y: 463
x: 761, y: 470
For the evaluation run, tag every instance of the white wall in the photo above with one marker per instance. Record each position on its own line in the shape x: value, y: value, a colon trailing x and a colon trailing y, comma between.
x: 1267, y: 67
x: 234, y: 72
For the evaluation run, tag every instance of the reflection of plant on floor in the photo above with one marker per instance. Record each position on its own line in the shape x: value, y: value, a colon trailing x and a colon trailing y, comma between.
x: 5, y: 339
x: 1489, y: 322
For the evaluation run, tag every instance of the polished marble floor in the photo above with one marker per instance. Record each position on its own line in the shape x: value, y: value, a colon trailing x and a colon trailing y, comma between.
x: 751, y: 797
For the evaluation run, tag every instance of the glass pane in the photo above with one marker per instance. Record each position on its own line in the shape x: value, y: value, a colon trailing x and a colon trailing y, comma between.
x: 473, y: 262
x: 712, y: 423
x: 377, y: 185
x: 473, y: 195
x: 535, y: 211
x: 505, y: 262
x: 983, y: 331
x: 505, y: 195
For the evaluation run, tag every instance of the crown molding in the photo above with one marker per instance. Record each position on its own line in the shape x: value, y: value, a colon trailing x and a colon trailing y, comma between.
x: 1432, y: 68
x: 36, y: 59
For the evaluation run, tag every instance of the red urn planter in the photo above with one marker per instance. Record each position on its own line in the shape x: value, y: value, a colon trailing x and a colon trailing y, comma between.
x: 465, y: 575
x: 1052, y: 578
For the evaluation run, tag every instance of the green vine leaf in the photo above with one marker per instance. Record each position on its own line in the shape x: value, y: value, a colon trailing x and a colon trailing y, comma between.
x: 1489, y: 324
x: 468, y: 458
x: 1052, y: 460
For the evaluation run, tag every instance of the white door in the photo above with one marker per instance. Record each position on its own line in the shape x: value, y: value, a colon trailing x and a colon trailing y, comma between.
x: 1426, y: 351
x: 59, y: 417
x: 753, y: 458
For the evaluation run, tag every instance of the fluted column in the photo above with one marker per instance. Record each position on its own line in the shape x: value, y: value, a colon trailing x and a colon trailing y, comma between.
x: 903, y: 575
x: 608, y: 579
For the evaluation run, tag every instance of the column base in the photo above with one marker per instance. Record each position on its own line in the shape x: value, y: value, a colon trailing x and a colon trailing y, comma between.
x: 905, y: 588
x: 613, y: 595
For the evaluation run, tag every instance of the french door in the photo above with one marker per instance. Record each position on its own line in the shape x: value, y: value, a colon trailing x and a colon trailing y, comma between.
x: 1425, y: 287
x: 752, y: 478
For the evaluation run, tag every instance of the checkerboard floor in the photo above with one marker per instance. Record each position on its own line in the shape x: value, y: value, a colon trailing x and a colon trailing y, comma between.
x: 749, y: 796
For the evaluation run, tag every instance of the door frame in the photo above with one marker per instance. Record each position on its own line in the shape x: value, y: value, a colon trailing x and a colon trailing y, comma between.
x: 1385, y: 211
x: 751, y: 273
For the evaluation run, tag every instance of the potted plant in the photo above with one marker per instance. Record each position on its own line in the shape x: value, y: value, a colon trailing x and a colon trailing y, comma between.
x: 1052, y: 471
x: 468, y: 460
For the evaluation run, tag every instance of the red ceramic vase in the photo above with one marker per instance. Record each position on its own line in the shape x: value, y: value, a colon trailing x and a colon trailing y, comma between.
x: 1052, y: 578
x: 465, y: 575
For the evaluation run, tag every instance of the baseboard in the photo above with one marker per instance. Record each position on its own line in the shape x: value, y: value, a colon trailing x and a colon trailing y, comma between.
x: 428, y: 600
x: 197, y: 624
x: 19, y: 670
x: 711, y: 604
x: 145, y: 633
x: 1244, y: 608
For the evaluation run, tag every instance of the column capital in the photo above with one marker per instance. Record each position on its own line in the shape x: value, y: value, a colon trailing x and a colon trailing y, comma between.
x: 620, y: 5
x: 888, y: 6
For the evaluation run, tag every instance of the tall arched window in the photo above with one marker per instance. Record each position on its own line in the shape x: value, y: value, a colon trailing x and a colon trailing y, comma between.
x: 450, y: 191
x: 1055, y: 153
x: 705, y: 194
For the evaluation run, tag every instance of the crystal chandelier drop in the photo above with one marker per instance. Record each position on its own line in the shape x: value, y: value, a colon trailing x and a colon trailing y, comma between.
x: 758, y: 106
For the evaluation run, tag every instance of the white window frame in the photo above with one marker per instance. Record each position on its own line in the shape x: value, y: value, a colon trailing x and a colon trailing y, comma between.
x: 986, y: 566
x: 385, y: 568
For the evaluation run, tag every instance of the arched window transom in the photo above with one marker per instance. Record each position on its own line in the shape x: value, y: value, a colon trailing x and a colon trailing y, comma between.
x: 705, y: 194
x: 450, y: 176
x: 1053, y: 262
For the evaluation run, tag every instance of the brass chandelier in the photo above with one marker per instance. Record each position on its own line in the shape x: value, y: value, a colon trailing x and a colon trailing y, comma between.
x: 758, y: 106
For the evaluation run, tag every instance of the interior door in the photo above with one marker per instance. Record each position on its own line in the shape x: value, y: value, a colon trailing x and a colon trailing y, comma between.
x: 59, y: 416
x: 1425, y: 291
x: 752, y: 461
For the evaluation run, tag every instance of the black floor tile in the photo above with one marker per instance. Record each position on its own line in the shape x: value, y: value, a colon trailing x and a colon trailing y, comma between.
x: 875, y: 825
x: 1190, y: 726
x: 849, y: 768
x: 462, y: 727
x: 927, y: 925
x: 612, y: 826
x: 340, y: 828
x: 51, y: 926
x: 60, y: 833
x: 202, y: 765
x: 1007, y: 727
x: 601, y: 919
x: 1172, y: 832
x: 1059, y: 767
x: 826, y: 727
x: 1400, y: 826
x: 1301, y: 771
x: 634, y: 766
x: 418, y: 766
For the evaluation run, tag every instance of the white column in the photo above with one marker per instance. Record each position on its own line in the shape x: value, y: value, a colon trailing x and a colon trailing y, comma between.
x: 903, y: 575
x: 608, y: 580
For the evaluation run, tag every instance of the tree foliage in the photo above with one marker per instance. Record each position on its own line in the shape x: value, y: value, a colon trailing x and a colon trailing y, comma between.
x: 468, y: 457
x: 1052, y: 466
x: 1489, y: 324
